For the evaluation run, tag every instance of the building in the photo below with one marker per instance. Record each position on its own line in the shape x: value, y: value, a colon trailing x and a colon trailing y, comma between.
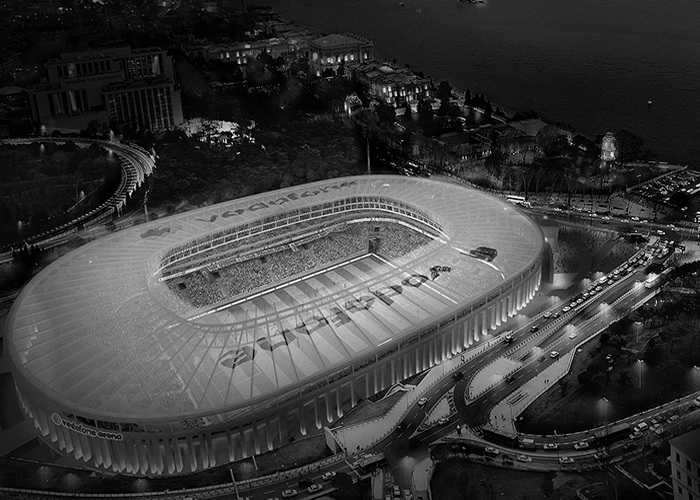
x: 685, y: 465
x: 330, y: 51
x: 115, y: 86
x: 391, y: 86
x: 245, y: 52
x: 608, y: 148
x: 115, y: 369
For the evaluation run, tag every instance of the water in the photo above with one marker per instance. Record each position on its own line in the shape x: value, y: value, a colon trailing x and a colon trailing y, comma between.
x: 591, y: 63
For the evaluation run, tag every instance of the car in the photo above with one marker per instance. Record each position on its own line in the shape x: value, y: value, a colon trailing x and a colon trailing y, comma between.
x: 547, y: 314
x: 629, y: 446
x: 566, y: 460
x: 657, y: 420
x: 573, y: 335
x: 314, y: 488
x: 524, y: 458
x: 600, y: 455
x: 550, y: 446
x: 554, y: 354
x: 635, y: 435
x: 660, y: 232
x: 328, y: 475
x: 534, y: 328
x: 422, y: 401
x: 273, y: 498
x: 673, y: 418
x: 672, y: 226
x: 396, y: 490
x: 581, y: 445
x: 555, y: 315
x: 654, y: 427
x: 635, y: 218
x: 566, y: 309
x: 442, y: 421
x: 641, y: 427
x: 289, y: 493
x: 696, y: 401
x: 387, y: 497
x: 407, y: 495
x: 490, y: 450
x: 510, y: 379
x: 659, y: 430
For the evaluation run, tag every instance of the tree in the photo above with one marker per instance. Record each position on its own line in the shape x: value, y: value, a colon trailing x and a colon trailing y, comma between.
x: 386, y: 113
x: 629, y: 146
x: 624, y: 382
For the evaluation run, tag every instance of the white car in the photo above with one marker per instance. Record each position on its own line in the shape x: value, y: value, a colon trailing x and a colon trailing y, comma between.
x: 490, y: 450
x: 581, y: 445
x: 422, y: 401
x: 547, y: 315
x: 566, y: 460
x: 566, y: 309
x: 550, y: 446
x: 554, y: 354
x: 314, y: 488
x: 442, y: 421
x: 289, y: 493
x: 573, y: 335
x: 328, y: 475
x: 524, y: 458
x: 635, y: 435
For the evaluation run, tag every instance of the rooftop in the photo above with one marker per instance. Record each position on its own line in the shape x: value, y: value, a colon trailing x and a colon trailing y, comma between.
x: 97, y: 332
x: 688, y: 443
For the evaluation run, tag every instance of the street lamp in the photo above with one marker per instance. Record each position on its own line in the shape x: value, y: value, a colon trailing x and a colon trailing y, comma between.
x: 639, y: 363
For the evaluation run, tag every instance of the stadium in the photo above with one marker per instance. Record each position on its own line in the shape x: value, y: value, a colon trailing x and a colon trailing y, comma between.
x: 227, y: 331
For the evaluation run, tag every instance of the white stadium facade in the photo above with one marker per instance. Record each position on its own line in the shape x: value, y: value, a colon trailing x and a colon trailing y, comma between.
x: 118, y: 371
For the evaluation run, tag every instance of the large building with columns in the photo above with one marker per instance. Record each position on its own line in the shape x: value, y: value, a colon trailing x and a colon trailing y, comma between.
x: 120, y: 372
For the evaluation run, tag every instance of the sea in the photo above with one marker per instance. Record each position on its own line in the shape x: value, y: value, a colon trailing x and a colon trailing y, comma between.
x: 593, y: 64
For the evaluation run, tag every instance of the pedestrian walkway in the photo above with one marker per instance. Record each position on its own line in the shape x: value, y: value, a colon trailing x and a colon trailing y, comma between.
x: 420, y: 478
x: 506, y: 411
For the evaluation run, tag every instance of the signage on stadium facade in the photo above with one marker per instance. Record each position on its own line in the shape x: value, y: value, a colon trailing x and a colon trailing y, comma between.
x: 315, y: 322
x: 86, y: 431
x: 280, y: 201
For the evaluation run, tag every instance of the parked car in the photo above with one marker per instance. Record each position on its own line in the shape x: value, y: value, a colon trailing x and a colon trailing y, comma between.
x: 524, y: 458
x: 396, y: 490
x: 581, y: 445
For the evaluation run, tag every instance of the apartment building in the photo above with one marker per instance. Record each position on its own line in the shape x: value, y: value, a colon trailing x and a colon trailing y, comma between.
x: 116, y: 86
x: 685, y: 465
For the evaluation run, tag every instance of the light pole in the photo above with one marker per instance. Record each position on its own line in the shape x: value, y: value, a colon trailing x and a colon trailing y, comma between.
x: 639, y: 363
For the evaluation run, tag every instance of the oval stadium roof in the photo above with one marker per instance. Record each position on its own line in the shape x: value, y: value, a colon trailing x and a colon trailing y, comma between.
x: 97, y: 332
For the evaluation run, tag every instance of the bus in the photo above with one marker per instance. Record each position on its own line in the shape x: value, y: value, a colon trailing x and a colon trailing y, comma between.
x: 518, y: 200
